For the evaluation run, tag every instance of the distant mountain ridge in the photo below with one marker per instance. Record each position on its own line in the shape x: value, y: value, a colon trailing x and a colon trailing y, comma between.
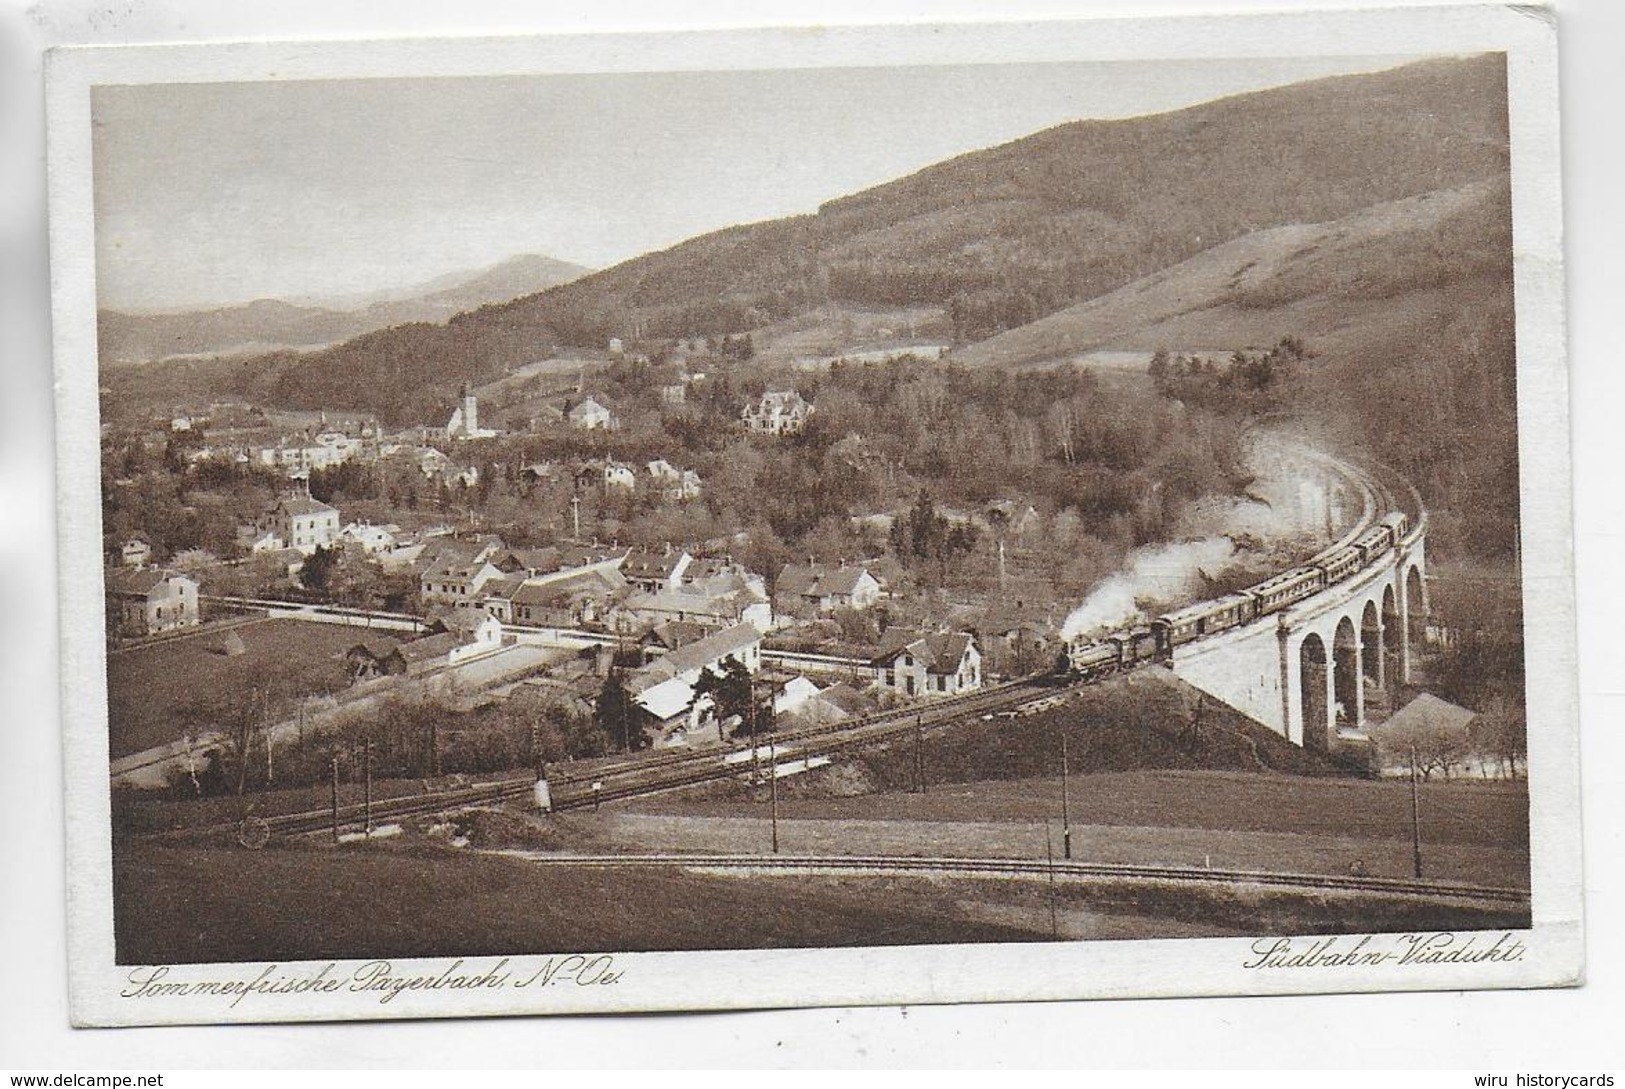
x: 995, y: 240
x: 270, y: 324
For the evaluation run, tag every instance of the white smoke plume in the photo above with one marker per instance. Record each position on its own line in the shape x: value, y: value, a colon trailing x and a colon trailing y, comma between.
x: 1280, y: 504
x: 1169, y: 572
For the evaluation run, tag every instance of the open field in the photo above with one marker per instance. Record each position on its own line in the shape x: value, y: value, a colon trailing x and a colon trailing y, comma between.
x: 1460, y: 813
x: 196, y: 905
x: 149, y: 688
x: 1476, y: 832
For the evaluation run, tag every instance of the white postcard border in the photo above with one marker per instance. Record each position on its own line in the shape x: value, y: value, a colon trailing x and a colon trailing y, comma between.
x: 754, y: 979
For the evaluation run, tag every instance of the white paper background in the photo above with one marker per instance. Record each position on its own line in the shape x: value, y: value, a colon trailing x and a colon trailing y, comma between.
x: 1545, y: 1029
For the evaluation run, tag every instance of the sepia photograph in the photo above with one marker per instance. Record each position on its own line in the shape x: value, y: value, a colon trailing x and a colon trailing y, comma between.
x: 1050, y: 502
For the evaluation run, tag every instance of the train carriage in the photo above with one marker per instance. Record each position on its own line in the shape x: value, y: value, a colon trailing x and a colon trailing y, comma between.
x: 1341, y: 564
x: 1207, y: 618
x: 1289, y: 587
x: 1374, y: 542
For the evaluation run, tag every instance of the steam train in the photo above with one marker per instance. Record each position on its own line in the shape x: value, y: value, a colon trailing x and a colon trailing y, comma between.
x: 1122, y: 650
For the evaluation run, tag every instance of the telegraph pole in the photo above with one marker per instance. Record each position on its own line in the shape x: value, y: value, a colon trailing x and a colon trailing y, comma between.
x: 335, y: 796
x: 1416, y: 818
x: 1066, y: 814
x: 366, y: 757
x: 1049, y: 855
x: 919, y: 753
x: 773, y: 795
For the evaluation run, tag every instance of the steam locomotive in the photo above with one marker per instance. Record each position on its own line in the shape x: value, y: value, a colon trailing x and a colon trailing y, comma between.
x: 1088, y: 660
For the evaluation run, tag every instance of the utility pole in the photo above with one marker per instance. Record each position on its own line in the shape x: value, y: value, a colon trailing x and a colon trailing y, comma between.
x: 1066, y: 814
x: 335, y: 796
x: 919, y: 753
x: 1416, y: 818
x: 1049, y: 855
x: 773, y: 794
x: 366, y: 758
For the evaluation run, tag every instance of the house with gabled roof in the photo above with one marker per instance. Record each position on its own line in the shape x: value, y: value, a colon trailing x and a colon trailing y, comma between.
x: 665, y: 687
x: 820, y: 589
x: 935, y: 664
x: 155, y: 600
x: 778, y: 412
x: 135, y: 553
x: 585, y: 596
x: 451, y: 582
x: 716, y: 602
x: 591, y: 415
x: 655, y: 571
x: 302, y: 522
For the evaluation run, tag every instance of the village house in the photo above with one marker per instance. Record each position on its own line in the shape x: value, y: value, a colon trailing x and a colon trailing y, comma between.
x: 591, y: 415
x: 154, y: 601
x: 716, y: 602
x: 666, y: 637
x: 940, y: 664
x: 301, y: 522
x: 254, y: 541
x: 1013, y: 637
x: 672, y: 482
x: 472, y: 623
x: 299, y: 458
x: 373, y: 540
x: 819, y: 589
x: 496, y: 597
x: 453, y: 583
x: 135, y: 553
x: 665, y: 687
x: 431, y: 462
x: 569, y: 599
x: 656, y: 571
x: 618, y: 474
x: 779, y: 412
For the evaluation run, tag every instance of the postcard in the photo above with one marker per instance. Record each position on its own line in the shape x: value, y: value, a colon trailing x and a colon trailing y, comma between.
x: 853, y: 515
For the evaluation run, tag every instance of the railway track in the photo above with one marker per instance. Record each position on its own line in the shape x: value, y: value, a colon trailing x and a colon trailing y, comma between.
x: 1040, y: 868
x: 572, y: 789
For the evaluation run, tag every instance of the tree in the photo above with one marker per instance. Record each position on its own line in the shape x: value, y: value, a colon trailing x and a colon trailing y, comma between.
x: 317, y: 574
x: 731, y: 690
x: 618, y: 714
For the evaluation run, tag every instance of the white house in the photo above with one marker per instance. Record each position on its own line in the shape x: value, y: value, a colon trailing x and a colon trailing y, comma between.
x: 302, y: 522
x: 453, y: 582
x: 372, y: 539
x: 779, y: 412
x: 135, y: 553
x: 820, y: 588
x: 665, y: 687
x: 590, y: 415
x: 673, y: 482
x: 941, y: 664
x: 656, y: 571
x: 154, y: 601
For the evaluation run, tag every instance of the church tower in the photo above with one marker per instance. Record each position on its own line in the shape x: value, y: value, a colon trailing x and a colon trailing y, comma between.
x: 471, y: 411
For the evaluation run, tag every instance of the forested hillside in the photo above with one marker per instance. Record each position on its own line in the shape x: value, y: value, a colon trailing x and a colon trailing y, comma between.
x: 996, y: 238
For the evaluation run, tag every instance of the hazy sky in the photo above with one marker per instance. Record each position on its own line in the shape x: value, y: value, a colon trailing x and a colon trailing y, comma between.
x: 226, y: 192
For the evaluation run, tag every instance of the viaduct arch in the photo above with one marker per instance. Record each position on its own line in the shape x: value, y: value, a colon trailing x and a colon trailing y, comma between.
x: 1306, y: 672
